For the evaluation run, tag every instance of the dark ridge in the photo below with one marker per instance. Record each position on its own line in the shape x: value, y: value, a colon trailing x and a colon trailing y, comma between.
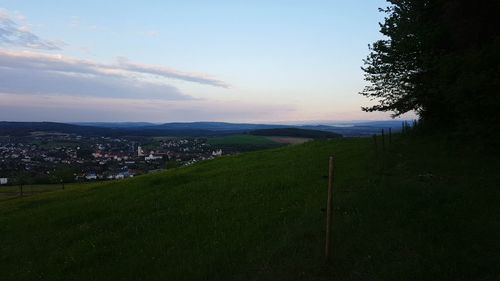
x: 20, y: 129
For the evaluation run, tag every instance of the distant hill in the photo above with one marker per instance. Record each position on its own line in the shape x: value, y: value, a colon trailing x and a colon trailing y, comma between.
x: 26, y: 128
x: 116, y: 124
x: 296, y: 132
x: 188, y: 128
x: 217, y: 126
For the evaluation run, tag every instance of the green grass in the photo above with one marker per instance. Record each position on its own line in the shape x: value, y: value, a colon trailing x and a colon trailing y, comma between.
x: 240, y: 139
x: 425, y: 209
x: 12, y: 191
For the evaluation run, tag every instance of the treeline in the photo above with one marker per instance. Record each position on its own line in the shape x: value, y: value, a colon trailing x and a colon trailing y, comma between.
x: 295, y: 132
x: 439, y: 58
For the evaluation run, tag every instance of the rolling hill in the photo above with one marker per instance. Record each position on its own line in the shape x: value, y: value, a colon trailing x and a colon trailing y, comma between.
x: 398, y: 215
x: 188, y: 129
x: 26, y: 128
x: 295, y: 132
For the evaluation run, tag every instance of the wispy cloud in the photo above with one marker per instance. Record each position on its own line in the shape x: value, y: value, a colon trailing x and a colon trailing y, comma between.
x: 74, y: 22
x: 34, y: 82
x: 34, y: 73
x: 69, y: 109
x: 34, y: 61
x: 13, y: 34
x: 124, y: 64
x: 151, y: 33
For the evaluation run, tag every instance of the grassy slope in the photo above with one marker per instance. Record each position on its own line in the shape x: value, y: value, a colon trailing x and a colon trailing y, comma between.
x: 240, y: 139
x: 12, y: 191
x: 423, y: 211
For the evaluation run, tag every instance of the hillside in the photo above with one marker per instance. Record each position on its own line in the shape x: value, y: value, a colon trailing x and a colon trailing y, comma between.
x: 295, y: 132
x: 399, y: 215
x: 191, y: 129
x: 27, y: 128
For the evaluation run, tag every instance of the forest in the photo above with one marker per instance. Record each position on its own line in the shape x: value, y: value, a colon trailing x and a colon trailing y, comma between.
x: 440, y: 59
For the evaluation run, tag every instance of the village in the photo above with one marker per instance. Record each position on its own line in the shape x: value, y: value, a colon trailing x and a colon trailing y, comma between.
x: 56, y: 158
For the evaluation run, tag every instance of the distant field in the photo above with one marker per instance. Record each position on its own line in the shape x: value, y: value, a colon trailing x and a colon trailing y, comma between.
x: 256, y: 140
x: 296, y: 133
x: 240, y: 140
x: 289, y: 140
x: 163, y: 138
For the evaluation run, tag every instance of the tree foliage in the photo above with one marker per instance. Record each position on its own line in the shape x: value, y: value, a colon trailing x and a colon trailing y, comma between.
x: 439, y: 58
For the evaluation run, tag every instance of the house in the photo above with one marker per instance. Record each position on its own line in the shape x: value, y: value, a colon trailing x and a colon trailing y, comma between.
x: 122, y: 175
x: 217, y: 153
x: 152, y: 157
x: 140, y: 152
x: 4, y: 181
x: 91, y: 176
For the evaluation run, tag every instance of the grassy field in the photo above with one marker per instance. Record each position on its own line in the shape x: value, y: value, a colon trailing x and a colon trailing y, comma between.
x: 243, y: 143
x: 425, y: 209
x: 289, y: 140
x: 240, y: 139
x: 13, y: 191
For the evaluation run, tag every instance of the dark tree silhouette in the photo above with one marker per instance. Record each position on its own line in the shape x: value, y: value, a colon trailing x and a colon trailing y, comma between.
x: 394, y: 64
x: 439, y: 58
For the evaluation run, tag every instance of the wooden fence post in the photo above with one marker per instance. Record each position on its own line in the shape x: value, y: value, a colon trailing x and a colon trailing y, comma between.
x: 329, y: 210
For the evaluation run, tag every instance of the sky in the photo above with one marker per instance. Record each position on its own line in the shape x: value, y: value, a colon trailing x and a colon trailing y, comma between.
x: 164, y: 61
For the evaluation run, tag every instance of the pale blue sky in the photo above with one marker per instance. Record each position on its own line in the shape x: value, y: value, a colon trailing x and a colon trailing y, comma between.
x: 280, y: 60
